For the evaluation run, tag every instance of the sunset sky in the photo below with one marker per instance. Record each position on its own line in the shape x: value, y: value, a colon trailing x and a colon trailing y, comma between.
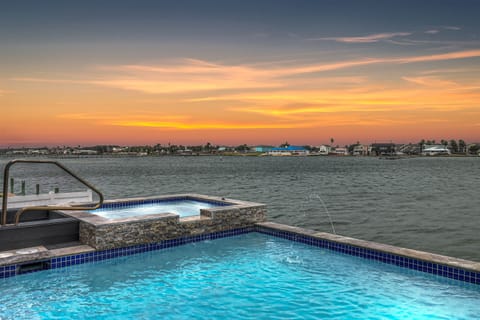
x: 232, y: 72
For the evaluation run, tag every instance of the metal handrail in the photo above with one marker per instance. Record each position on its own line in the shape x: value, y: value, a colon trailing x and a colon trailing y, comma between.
x: 22, y: 210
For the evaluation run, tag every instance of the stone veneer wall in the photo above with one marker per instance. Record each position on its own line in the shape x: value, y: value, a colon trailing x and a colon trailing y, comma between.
x: 151, y: 229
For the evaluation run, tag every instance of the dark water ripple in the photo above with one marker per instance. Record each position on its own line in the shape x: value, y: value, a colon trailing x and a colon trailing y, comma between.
x: 430, y: 204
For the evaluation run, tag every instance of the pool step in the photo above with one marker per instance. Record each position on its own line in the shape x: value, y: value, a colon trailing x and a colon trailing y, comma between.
x: 38, y: 258
x: 69, y: 244
x: 49, y: 232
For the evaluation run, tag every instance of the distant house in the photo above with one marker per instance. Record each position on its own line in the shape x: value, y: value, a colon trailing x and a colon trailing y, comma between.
x: 435, y: 150
x: 84, y: 152
x: 473, y: 148
x: 185, y: 152
x: 340, y: 151
x: 410, y: 149
x: 225, y: 149
x: 119, y: 149
x: 360, y: 150
x: 324, y: 150
x: 289, y: 151
x: 382, y: 149
x: 262, y: 148
x: 37, y: 151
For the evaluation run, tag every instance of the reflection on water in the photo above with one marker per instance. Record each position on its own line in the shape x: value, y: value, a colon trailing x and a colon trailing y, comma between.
x: 423, y: 203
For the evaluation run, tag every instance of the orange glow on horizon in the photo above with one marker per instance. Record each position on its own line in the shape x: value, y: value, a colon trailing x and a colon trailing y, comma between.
x: 193, y: 101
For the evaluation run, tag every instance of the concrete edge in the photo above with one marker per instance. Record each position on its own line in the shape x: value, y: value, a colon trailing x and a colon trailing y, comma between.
x: 43, y: 253
x: 399, y: 251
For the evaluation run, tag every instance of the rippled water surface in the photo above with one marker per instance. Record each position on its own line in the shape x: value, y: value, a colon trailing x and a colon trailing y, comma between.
x: 184, y: 208
x: 430, y: 204
x: 241, y: 277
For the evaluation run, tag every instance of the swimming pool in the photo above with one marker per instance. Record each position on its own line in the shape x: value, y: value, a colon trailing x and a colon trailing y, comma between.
x: 182, y: 207
x: 252, y: 275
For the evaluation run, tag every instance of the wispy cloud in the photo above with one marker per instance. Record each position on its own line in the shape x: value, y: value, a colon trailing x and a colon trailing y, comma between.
x: 455, y: 28
x: 178, y: 122
x: 105, y: 118
x: 209, y: 126
x: 441, y: 57
x: 163, y: 86
x: 297, y: 103
x: 48, y: 80
x: 190, y: 76
x: 368, y: 38
x: 305, y: 112
x: 194, y: 75
x: 449, y: 70
x: 330, y: 82
x: 5, y: 92
x: 432, y: 31
x: 431, y: 82
x: 439, y: 44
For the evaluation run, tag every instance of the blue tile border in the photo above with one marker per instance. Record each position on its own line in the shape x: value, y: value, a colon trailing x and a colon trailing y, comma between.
x: 366, y: 253
x: 376, y: 255
x: 8, y: 271
x: 132, y: 203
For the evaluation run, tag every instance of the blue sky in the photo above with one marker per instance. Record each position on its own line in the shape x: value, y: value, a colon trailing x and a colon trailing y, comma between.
x: 262, y: 26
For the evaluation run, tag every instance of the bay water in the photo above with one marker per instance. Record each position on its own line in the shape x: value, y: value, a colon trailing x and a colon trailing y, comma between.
x: 424, y: 203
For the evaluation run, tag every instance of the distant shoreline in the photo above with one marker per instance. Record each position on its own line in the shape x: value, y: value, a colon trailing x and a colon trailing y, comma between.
x: 386, y: 157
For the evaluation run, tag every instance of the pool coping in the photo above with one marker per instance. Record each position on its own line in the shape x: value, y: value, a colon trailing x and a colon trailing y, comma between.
x: 443, y: 266
x: 223, y: 203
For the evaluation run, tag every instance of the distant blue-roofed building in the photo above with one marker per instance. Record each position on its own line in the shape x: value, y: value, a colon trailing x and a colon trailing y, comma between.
x: 262, y: 148
x: 289, y: 151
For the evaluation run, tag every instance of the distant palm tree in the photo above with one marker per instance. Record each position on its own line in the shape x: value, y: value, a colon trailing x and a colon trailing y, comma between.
x: 454, y: 145
x: 422, y: 144
x: 462, y: 146
x: 332, y: 141
x: 208, y: 146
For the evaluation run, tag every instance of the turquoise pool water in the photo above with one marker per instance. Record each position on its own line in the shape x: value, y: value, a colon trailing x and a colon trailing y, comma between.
x: 184, y: 208
x: 241, y: 277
